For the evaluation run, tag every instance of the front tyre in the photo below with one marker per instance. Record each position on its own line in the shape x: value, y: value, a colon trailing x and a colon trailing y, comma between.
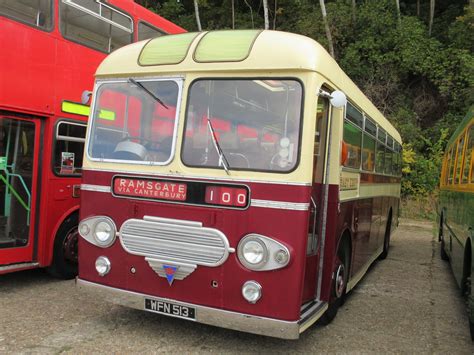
x: 64, y: 263
x: 339, y: 283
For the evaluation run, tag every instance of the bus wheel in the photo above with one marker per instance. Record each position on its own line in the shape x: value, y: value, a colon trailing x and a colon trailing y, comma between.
x: 386, y: 240
x: 339, y: 283
x: 64, y: 263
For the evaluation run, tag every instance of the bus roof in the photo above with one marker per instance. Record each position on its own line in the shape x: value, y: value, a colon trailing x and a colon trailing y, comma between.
x: 236, y: 51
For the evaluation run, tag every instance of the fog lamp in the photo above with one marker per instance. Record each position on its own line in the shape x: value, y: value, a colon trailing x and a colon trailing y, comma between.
x: 102, y: 265
x: 252, y: 291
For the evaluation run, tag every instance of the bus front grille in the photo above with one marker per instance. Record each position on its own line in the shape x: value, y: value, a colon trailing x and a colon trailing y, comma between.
x: 175, y: 241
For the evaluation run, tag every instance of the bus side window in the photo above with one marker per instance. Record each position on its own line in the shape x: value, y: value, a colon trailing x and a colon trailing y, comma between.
x: 468, y: 156
x: 32, y: 12
x: 459, y: 156
x: 69, y: 148
x: 352, y: 137
x: 146, y: 31
x: 379, y: 160
x: 368, y: 153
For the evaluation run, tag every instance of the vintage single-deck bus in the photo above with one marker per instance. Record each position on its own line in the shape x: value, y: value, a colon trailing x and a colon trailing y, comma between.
x: 225, y: 188
x: 456, y: 209
x: 50, y: 51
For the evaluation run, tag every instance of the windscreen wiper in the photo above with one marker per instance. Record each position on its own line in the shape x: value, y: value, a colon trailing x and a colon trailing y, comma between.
x: 141, y: 86
x: 222, y: 157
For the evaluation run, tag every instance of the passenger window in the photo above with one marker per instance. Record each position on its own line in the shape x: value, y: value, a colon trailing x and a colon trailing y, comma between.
x: 468, y: 156
x: 459, y: 157
x: 380, y: 158
x: 368, y: 153
x: 451, y: 165
x: 146, y: 31
x: 69, y: 148
x: 36, y: 13
x: 388, y: 161
x: 352, y: 139
x: 95, y: 24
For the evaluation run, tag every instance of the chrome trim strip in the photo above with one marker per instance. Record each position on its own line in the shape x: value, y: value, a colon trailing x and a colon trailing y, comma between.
x: 96, y: 188
x: 18, y: 266
x: 295, y: 206
x: 202, y: 177
x: 207, y: 315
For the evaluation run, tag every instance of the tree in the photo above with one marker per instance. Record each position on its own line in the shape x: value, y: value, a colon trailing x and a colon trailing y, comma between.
x: 196, y: 11
x: 233, y: 15
x: 265, y: 14
x: 251, y: 12
x: 398, y: 11
x: 326, y: 27
x: 354, y: 11
x: 432, y: 8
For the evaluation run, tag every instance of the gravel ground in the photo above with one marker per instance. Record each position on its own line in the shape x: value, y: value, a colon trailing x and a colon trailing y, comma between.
x: 408, y: 303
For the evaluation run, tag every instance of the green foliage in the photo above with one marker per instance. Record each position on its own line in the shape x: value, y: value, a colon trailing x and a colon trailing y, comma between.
x: 423, y: 84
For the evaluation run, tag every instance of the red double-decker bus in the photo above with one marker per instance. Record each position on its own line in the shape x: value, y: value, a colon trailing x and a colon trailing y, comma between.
x: 239, y: 180
x: 50, y: 51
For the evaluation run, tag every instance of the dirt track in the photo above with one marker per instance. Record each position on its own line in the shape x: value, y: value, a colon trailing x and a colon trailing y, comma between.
x: 407, y: 303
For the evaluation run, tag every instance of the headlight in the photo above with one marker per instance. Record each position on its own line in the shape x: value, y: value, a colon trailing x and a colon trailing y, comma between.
x: 102, y: 265
x: 259, y: 253
x: 252, y: 291
x: 99, y: 231
x: 254, y: 251
x: 103, y: 232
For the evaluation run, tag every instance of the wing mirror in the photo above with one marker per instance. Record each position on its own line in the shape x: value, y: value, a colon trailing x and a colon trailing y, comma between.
x: 337, y: 98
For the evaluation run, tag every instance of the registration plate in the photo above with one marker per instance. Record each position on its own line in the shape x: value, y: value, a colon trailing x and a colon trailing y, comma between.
x: 170, y: 309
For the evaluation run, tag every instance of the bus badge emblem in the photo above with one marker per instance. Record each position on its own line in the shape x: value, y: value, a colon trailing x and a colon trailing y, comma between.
x: 170, y: 271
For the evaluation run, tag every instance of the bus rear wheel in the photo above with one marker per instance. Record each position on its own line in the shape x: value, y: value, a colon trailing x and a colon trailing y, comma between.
x: 64, y: 263
x: 443, y: 254
x: 339, y: 283
x: 386, y: 240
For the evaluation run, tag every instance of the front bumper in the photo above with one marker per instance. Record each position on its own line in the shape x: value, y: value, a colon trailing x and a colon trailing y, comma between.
x: 212, y: 316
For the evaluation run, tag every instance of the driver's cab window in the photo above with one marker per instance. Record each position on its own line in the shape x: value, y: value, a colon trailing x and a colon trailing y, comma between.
x: 134, y: 121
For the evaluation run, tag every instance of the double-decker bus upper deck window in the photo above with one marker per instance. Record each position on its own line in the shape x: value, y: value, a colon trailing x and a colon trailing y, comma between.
x: 38, y: 13
x: 134, y: 121
x: 95, y: 24
x: 69, y: 148
x: 254, y: 122
x: 146, y: 31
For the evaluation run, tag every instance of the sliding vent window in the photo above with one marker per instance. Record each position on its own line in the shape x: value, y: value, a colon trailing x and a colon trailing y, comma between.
x: 95, y: 24
x: 69, y: 149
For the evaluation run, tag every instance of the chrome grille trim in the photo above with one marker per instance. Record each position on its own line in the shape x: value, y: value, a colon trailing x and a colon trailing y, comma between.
x: 178, y: 241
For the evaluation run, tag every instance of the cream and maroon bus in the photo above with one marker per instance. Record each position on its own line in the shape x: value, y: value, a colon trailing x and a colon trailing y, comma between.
x: 234, y: 178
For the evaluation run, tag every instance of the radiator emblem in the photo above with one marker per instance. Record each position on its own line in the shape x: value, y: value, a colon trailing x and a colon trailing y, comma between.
x: 169, y: 272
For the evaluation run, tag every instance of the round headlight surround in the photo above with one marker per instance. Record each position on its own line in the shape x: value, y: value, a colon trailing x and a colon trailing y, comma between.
x: 244, y: 248
x: 104, y: 232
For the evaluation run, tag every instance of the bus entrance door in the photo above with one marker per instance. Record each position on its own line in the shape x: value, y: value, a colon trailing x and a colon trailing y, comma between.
x: 17, y: 161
